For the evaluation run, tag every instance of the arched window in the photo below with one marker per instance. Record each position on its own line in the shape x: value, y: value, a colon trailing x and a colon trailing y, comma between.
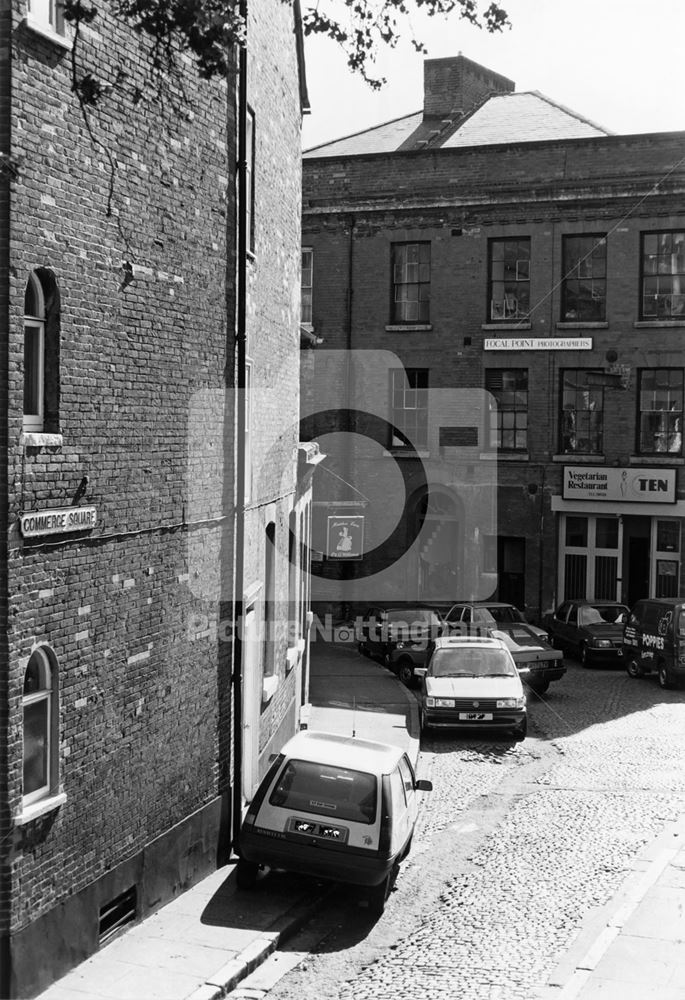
x: 39, y: 705
x: 41, y: 352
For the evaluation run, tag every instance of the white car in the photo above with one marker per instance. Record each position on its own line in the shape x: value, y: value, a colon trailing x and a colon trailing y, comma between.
x: 335, y: 807
x: 471, y: 682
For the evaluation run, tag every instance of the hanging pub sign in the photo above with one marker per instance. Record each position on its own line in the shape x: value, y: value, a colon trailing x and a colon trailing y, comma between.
x: 57, y: 521
x: 345, y: 537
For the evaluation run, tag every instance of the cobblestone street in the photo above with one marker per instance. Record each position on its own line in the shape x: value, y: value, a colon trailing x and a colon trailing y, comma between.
x: 515, y: 847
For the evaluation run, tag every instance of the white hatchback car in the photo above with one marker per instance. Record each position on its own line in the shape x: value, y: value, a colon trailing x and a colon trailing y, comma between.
x: 471, y: 682
x: 335, y: 807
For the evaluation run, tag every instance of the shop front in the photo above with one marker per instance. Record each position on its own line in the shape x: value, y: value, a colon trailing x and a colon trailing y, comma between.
x: 620, y: 534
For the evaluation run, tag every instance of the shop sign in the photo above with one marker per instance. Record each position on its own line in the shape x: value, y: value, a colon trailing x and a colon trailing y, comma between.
x: 57, y: 521
x: 345, y: 537
x: 538, y: 344
x: 632, y: 485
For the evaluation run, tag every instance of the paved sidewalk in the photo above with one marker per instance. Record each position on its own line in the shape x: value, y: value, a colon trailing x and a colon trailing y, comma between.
x: 201, y: 945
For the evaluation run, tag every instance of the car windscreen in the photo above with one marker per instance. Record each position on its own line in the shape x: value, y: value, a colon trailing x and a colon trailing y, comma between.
x: 468, y: 662
x: 413, y: 616
x: 506, y: 614
x: 603, y: 614
x: 338, y: 792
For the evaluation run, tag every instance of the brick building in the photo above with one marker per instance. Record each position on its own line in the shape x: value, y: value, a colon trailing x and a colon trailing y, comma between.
x: 524, y: 270
x: 124, y: 754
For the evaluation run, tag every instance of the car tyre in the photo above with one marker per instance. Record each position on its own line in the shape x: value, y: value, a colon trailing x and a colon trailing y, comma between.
x: 246, y: 874
x: 378, y: 894
x: 633, y: 669
x: 405, y: 672
x: 362, y: 649
x: 541, y: 687
x: 585, y: 656
x: 665, y: 682
x: 521, y: 731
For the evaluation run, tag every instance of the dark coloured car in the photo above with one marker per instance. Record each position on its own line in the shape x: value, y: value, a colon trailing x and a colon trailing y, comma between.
x: 592, y: 631
x: 401, y: 637
x: 539, y: 662
x: 491, y: 614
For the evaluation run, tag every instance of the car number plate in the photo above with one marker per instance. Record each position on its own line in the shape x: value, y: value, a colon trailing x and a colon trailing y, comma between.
x: 475, y: 716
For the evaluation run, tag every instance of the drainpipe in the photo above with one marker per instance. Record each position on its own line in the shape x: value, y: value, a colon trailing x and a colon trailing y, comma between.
x: 241, y: 415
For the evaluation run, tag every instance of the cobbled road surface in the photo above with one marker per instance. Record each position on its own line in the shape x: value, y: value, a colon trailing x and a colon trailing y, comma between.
x: 515, y: 845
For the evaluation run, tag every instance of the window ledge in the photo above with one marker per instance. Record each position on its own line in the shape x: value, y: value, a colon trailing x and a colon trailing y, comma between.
x: 269, y: 687
x: 45, y: 31
x: 504, y: 456
x: 581, y: 458
x: 577, y: 324
x: 658, y: 323
x: 36, y: 439
x: 405, y: 453
x: 408, y: 327
x: 40, y: 808
x: 661, y: 459
x: 521, y: 325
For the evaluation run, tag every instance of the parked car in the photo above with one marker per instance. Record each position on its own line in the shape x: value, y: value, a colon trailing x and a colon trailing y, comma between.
x: 471, y: 682
x: 536, y: 659
x: 334, y: 807
x: 590, y: 630
x: 654, y: 640
x: 401, y: 637
x: 490, y: 613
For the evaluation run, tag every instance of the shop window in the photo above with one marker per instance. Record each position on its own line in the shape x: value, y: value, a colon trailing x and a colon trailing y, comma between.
x: 409, y: 407
x: 660, y: 417
x: 581, y: 418
x: 509, y: 419
x: 584, y: 286
x: 411, y: 273
x: 508, y: 280
x: 41, y: 353
x: 40, y: 727
x: 306, y: 285
x: 663, y: 276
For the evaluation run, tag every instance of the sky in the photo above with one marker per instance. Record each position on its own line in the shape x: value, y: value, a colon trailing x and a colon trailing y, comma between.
x: 620, y: 63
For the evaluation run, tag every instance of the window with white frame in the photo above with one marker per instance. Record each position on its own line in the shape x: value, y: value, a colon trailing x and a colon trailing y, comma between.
x: 47, y: 15
x: 584, y: 284
x: 249, y: 180
x: 508, y: 279
x: 34, y: 354
x: 663, y: 276
x: 39, y: 709
x: 411, y: 272
x: 660, y: 418
x: 409, y: 407
x: 307, y: 280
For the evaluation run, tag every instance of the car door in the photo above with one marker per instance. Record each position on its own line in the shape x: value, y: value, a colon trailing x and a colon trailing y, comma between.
x: 374, y: 627
x: 559, y: 627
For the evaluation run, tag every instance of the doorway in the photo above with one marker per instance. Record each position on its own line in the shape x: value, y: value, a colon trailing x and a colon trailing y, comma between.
x: 636, y: 558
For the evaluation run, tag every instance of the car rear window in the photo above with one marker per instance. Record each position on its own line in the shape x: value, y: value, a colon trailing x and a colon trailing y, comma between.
x: 326, y: 790
x: 603, y: 614
x: 413, y: 617
x: 467, y: 662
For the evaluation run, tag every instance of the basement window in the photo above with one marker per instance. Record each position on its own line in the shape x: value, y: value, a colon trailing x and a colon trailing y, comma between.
x: 117, y: 914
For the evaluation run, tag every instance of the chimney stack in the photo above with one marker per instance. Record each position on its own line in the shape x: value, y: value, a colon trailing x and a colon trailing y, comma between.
x: 454, y: 86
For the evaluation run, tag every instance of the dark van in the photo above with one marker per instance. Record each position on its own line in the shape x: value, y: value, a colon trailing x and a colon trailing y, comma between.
x: 654, y: 639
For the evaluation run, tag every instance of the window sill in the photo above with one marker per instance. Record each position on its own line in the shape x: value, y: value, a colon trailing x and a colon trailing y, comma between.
x: 504, y: 456
x: 658, y: 323
x: 37, y: 439
x: 582, y: 458
x: 582, y: 325
x: 660, y: 459
x: 269, y: 687
x: 405, y: 453
x: 45, y: 31
x: 408, y: 327
x: 508, y: 325
x: 40, y: 808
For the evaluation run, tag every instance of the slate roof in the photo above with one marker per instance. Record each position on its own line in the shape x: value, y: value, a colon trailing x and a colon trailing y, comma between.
x: 502, y: 118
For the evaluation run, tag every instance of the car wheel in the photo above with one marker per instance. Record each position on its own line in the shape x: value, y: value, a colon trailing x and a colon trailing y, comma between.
x: 585, y: 655
x: 362, y: 649
x: 520, y: 733
x: 634, y: 669
x: 665, y: 681
x: 378, y: 894
x: 246, y: 874
x: 405, y: 672
x: 539, y: 687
